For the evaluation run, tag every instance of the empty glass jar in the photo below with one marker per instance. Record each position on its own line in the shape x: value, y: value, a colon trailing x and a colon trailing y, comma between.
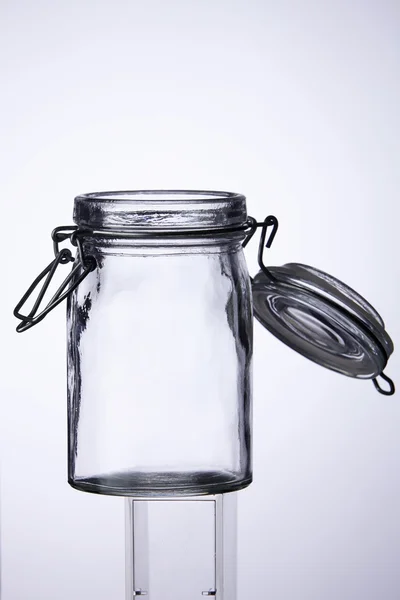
x: 160, y: 346
x: 160, y: 337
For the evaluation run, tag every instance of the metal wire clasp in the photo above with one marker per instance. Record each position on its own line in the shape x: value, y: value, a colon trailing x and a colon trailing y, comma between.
x: 62, y: 256
x: 269, y: 221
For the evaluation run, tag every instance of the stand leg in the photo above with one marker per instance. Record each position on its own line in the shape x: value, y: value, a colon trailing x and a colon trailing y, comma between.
x: 136, y: 549
x: 226, y: 546
x: 181, y: 548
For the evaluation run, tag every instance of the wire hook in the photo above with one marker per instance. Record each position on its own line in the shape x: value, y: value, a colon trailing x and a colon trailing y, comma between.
x: 391, y: 389
x: 268, y: 221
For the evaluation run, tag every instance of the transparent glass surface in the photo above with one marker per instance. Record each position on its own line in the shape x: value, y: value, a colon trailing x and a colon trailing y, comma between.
x: 159, y: 368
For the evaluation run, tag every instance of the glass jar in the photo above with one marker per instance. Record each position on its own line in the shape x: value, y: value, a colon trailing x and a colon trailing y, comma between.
x: 160, y: 346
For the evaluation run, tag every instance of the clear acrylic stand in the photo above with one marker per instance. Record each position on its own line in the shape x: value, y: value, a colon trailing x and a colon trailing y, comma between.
x: 184, y: 548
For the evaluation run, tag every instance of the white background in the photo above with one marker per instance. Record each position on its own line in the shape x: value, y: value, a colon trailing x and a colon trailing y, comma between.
x: 296, y: 105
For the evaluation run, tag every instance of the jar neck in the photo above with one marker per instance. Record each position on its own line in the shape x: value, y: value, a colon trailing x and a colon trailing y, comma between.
x: 96, y: 243
x: 161, y: 221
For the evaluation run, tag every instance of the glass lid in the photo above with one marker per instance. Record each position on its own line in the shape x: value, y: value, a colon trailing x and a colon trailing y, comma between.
x: 321, y: 317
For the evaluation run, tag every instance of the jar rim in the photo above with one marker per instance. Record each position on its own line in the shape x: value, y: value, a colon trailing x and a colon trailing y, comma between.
x: 160, y: 209
x: 175, y: 195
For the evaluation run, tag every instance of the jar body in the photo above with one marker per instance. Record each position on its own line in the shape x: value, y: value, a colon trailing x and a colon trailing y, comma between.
x: 159, y: 370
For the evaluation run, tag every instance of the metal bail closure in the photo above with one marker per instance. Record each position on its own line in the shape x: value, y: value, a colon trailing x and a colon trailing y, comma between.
x: 82, y: 267
x: 321, y: 317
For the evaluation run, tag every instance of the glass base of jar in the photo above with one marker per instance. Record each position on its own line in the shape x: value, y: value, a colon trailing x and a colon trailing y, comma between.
x: 159, y: 484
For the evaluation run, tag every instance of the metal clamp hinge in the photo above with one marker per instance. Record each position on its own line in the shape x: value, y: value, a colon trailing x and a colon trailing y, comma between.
x: 82, y: 267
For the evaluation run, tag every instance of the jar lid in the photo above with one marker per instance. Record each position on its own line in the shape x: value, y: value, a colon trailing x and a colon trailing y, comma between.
x: 323, y: 319
x: 138, y: 210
